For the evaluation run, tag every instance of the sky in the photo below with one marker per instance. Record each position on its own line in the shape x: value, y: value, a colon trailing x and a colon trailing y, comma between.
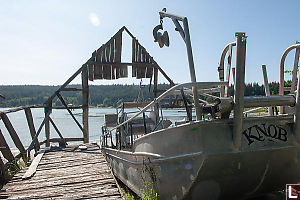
x: 45, y: 42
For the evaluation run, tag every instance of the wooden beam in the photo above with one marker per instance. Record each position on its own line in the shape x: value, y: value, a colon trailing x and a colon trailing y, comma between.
x: 137, y: 64
x: 33, y: 166
x: 65, y: 139
x: 38, y: 132
x: 4, y: 175
x: 133, y: 104
x: 69, y: 111
x: 70, y: 107
x: 72, y: 89
x: 65, y: 84
x: 5, y: 151
x: 85, y: 104
x: 56, y: 129
x: 31, y: 127
x: 11, y: 110
x: 47, y: 126
x: 166, y: 76
x: 13, y: 134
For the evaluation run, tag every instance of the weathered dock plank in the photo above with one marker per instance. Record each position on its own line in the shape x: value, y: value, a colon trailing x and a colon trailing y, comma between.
x: 68, y: 173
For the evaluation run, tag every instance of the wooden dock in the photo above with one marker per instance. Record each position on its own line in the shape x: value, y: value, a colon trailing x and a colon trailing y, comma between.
x: 67, y: 173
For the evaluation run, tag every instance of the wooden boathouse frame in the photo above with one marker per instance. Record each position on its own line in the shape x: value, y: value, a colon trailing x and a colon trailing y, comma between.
x: 105, y: 63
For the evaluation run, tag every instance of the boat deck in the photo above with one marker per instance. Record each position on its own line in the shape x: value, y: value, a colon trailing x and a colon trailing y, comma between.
x: 68, y: 173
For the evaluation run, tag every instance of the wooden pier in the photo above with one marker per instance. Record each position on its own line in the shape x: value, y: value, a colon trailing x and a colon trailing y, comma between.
x: 66, y: 173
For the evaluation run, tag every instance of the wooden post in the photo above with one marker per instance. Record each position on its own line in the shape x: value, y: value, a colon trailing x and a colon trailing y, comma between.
x: 13, y: 134
x: 47, y: 124
x: 6, y: 150
x: 31, y: 127
x: 4, y: 175
x: 85, y: 104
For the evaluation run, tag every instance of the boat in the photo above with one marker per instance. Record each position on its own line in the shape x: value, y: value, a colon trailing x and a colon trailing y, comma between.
x: 220, y: 153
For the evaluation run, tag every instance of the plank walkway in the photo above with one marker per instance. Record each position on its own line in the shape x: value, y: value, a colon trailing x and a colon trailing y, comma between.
x: 68, y: 173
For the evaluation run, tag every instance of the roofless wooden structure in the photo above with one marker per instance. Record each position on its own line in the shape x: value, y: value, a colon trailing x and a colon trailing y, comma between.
x: 105, y: 63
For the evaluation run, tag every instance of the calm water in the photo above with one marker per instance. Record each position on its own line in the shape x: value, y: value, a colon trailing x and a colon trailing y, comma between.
x: 66, y: 124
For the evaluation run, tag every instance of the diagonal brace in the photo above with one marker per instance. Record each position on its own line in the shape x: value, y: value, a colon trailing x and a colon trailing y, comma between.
x: 69, y: 111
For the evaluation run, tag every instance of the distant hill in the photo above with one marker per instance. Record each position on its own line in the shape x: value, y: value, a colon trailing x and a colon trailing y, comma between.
x: 100, y: 95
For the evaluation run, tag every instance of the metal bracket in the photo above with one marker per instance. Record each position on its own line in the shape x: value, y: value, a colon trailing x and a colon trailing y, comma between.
x: 240, y: 34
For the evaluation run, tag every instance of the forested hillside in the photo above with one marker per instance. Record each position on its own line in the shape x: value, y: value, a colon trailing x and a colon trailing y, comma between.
x: 100, y: 95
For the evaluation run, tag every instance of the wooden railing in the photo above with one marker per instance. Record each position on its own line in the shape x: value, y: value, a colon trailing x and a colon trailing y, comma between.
x: 10, y: 159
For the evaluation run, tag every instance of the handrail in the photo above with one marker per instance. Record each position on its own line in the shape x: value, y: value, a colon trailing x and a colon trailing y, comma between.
x: 166, y: 93
x: 37, y: 134
x: 19, y: 108
x: 282, y: 61
x: 222, y: 59
x: 228, y: 48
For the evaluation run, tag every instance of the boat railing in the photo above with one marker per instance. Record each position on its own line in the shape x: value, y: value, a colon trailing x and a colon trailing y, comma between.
x: 227, y: 50
x: 282, y: 87
x: 169, y: 92
x: 249, y: 102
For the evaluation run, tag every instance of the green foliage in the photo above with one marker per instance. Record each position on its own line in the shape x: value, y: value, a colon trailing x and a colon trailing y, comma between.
x: 14, y: 167
x: 100, y: 95
x: 128, y: 194
x: 148, y: 192
x: 254, y: 89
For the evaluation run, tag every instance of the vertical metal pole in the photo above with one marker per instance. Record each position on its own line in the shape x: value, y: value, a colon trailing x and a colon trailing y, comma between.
x: 239, y: 88
x: 102, y: 137
x: 145, y: 126
x: 233, y: 74
x: 296, y: 64
x: 228, y: 69
x: 120, y: 136
x: 155, y: 82
x: 297, y: 114
x: 131, y: 135
x: 188, y: 112
x: 192, y: 68
x: 111, y: 140
x: 267, y: 88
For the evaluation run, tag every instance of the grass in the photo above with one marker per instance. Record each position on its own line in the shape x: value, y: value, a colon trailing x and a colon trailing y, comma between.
x: 129, y: 195
x: 13, y: 168
x: 148, y: 192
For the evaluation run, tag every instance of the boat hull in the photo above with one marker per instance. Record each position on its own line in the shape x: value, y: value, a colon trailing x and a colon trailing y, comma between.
x: 198, y: 161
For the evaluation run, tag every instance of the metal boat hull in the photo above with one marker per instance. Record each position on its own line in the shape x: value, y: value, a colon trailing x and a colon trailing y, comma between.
x: 198, y: 160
